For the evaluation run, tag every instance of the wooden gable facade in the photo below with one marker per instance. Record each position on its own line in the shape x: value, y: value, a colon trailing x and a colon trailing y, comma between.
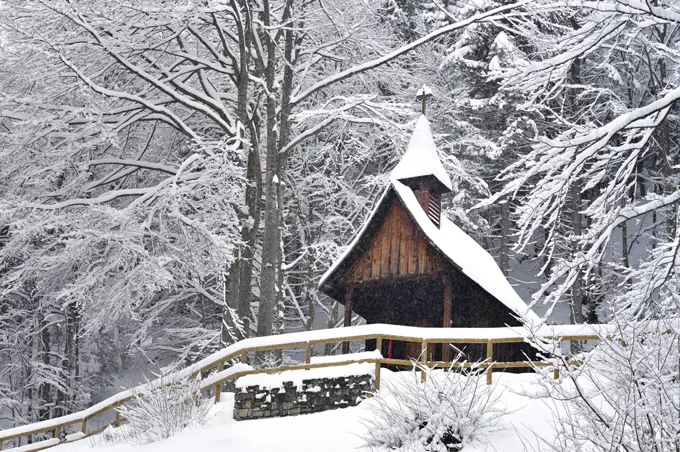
x: 397, y: 250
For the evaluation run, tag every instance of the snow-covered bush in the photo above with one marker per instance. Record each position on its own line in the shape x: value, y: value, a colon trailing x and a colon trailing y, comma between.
x: 167, y: 407
x: 443, y: 414
x: 626, y: 397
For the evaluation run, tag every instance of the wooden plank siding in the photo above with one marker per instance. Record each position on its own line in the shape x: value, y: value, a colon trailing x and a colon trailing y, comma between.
x: 398, y: 249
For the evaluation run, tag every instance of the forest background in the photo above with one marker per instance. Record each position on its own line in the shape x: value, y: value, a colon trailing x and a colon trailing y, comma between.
x: 176, y: 175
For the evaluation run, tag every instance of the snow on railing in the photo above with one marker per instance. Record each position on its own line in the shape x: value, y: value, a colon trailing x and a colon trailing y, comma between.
x: 216, y: 362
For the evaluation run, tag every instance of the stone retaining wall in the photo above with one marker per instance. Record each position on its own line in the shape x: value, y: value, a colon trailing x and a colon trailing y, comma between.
x: 311, y: 396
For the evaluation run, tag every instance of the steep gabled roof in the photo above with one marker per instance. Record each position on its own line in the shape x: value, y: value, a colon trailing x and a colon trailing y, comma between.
x: 421, y: 158
x: 454, y: 244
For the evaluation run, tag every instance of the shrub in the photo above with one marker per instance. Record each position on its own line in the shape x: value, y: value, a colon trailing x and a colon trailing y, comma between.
x: 625, y: 396
x: 443, y: 414
x: 163, y: 408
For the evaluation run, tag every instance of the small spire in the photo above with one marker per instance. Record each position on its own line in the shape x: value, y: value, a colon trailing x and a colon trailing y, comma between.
x: 421, y: 158
x: 423, y: 94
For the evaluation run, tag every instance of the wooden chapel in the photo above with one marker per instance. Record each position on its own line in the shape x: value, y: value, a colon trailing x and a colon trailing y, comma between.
x: 410, y: 265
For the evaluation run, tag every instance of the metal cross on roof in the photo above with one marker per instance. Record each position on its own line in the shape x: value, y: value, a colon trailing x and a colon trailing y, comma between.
x: 423, y: 95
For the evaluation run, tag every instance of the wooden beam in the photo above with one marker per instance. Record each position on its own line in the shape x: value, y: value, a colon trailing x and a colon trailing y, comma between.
x: 218, y: 393
x: 489, y: 362
x: 348, y: 315
x: 424, y: 359
x: 446, y: 348
x: 308, y: 355
x: 378, y: 346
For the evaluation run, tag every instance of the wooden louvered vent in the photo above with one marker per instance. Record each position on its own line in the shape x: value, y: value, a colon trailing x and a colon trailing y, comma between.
x: 434, y: 208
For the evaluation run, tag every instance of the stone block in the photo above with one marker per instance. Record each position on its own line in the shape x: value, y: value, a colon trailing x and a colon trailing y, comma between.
x: 243, y: 414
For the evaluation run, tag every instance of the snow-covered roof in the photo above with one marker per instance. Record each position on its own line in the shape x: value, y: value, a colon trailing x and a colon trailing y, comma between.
x: 421, y: 157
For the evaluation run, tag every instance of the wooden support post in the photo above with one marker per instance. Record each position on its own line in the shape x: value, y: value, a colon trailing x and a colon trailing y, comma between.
x: 0, y: 444
x: 57, y: 432
x: 556, y: 373
x: 116, y: 420
x: 423, y: 359
x: 244, y: 357
x: 220, y: 368
x: 489, y: 360
x: 446, y: 348
x: 308, y: 355
x: 348, y: 316
x: 378, y: 346
x: 83, y: 427
x: 218, y: 393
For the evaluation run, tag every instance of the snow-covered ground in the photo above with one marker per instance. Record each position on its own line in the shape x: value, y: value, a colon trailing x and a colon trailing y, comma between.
x: 342, y: 430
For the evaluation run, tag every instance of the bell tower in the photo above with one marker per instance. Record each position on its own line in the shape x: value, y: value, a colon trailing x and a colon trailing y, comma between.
x: 420, y: 167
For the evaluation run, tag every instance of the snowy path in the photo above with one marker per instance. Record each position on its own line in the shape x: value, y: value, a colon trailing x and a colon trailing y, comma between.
x: 341, y: 430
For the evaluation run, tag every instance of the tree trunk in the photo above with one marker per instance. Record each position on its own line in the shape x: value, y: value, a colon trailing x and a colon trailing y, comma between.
x: 270, y: 241
x: 238, y: 295
x: 271, y: 246
x: 577, y: 287
x: 72, y: 351
x: 332, y: 322
x: 45, y: 389
x: 505, y: 239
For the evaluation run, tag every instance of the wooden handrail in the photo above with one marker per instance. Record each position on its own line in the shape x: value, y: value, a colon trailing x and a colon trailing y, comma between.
x: 242, y: 349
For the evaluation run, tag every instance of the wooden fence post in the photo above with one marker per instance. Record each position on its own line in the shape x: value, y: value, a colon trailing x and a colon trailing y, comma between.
x: 556, y: 373
x: 378, y: 346
x: 218, y: 387
x: 218, y: 392
x: 308, y: 355
x: 57, y: 432
x: 423, y: 359
x: 83, y: 428
x: 489, y: 360
x: 244, y: 357
x: 116, y: 420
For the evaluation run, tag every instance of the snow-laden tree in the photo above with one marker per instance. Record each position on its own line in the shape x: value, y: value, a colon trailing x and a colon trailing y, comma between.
x: 602, y: 183
x: 123, y: 188
x: 611, y: 143
x: 490, y: 123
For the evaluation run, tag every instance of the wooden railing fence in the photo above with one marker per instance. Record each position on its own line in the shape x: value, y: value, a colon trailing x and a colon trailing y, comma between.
x: 217, y: 374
